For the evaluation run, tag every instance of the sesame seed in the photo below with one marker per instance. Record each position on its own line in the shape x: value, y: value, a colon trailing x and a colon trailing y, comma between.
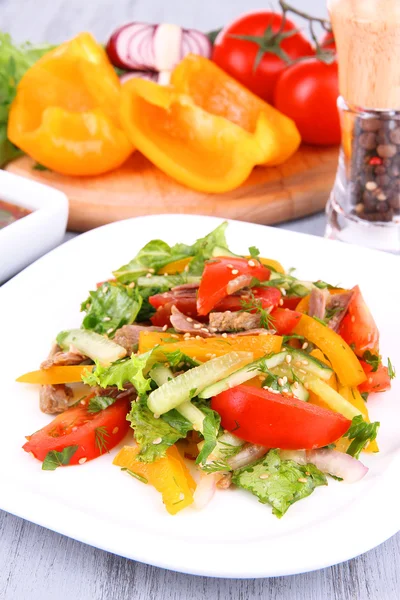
x: 371, y: 186
x: 304, y: 362
x: 115, y: 430
x: 296, y: 385
x: 359, y: 208
x: 302, y: 480
x: 88, y: 305
x: 213, y: 329
x: 197, y: 325
x: 352, y: 318
x: 261, y: 377
x: 264, y: 476
x: 132, y: 284
x: 214, y: 356
x: 156, y: 416
x: 189, y: 319
x: 82, y: 460
x: 251, y: 263
x: 110, y: 330
x: 74, y: 428
x: 370, y: 380
x: 304, y: 346
x: 83, y: 402
x: 209, y: 355
x: 198, y: 337
x: 181, y: 496
x: 288, y: 359
x: 230, y: 266
x: 280, y: 381
x: 307, y: 473
x: 148, y: 275
x: 176, y: 337
x: 235, y: 272
x: 283, y: 291
x: 204, y: 329
x: 157, y: 441
x: 298, y: 363
x: 165, y: 327
x: 281, y: 302
x: 186, y: 269
x: 151, y: 270
x: 302, y: 371
x: 284, y: 379
x: 107, y: 319
x: 381, y: 197
x: 187, y: 336
x: 224, y: 335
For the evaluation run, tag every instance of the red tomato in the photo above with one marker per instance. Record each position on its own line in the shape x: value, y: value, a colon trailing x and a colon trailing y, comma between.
x: 239, y: 57
x: 328, y: 41
x: 78, y: 427
x: 218, y: 273
x: 378, y: 381
x: 307, y: 93
x: 284, y: 320
x: 261, y: 417
x: 266, y: 296
x: 358, y: 327
x: 291, y: 302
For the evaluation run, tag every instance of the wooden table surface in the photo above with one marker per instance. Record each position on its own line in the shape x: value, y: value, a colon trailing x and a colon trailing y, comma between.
x: 37, y: 564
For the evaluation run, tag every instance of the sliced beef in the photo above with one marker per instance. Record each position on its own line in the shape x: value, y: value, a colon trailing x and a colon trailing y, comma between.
x: 183, y: 324
x: 318, y: 300
x: 114, y: 392
x: 55, y: 398
x: 128, y: 335
x: 233, y: 321
x: 186, y: 287
x: 63, y: 359
x: 336, y: 308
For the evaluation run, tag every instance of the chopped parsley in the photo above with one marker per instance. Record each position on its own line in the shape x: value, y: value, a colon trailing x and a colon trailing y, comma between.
x: 391, y: 369
x: 54, y: 459
x: 361, y: 433
x: 254, y: 252
x: 100, y: 438
x: 254, y: 304
x: 372, y: 359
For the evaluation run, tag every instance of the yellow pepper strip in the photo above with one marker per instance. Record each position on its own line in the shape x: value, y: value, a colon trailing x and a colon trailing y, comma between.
x: 168, y: 475
x: 177, y: 266
x: 207, y: 348
x: 270, y: 262
x: 205, y: 152
x: 66, y: 111
x: 55, y: 375
x: 353, y: 396
x: 219, y: 94
x: 342, y: 358
x: 332, y: 398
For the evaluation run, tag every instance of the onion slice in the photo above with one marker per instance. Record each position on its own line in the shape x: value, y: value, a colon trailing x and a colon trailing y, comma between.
x: 249, y: 454
x: 337, y: 463
x: 205, y: 489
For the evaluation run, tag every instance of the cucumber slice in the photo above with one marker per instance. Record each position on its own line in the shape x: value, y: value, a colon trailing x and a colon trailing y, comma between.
x: 169, y: 281
x: 220, y: 251
x: 300, y: 392
x: 244, y: 374
x: 193, y: 414
x: 161, y: 374
x: 189, y: 384
x: 95, y: 346
x: 313, y: 366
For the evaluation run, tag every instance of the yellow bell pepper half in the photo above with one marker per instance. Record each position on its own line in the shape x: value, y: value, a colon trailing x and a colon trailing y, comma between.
x: 66, y: 111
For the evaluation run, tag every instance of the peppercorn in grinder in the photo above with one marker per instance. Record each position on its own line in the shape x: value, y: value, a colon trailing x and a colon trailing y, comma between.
x: 364, y: 206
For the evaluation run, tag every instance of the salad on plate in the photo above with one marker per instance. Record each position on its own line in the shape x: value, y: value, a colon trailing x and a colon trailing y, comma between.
x: 218, y: 371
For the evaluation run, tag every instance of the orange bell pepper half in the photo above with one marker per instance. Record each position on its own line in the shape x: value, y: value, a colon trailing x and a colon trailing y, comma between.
x: 66, y: 111
x: 219, y: 94
x: 169, y: 475
x: 55, y: 375
x: 206, y: 348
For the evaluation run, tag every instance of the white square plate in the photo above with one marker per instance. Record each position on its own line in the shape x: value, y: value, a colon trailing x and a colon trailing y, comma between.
x: 234, y: 536
x: 26, y: 239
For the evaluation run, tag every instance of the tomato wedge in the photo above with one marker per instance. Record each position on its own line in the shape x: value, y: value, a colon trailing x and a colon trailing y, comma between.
x: 358, y: 327
x: 93, y: 433
x: 261, y: 417
x: 377, y: 381
x: 284, y: 320
x: 219, y: 272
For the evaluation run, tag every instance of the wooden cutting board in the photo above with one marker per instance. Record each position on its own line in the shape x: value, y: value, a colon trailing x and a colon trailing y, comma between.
x: 297, y: 188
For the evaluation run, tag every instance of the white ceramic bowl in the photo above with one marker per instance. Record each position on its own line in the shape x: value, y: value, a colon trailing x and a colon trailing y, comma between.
x: 30, y: 237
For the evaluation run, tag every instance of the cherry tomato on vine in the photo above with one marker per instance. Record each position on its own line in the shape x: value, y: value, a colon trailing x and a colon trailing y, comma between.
x: 307, y: 93
x: 251, y: 49
x: 328, y: 41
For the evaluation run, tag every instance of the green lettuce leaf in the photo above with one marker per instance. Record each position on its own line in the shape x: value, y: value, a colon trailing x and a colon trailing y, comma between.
x: 278, y: 482
x: 110, y: 307
x: 121, y: 372
x: 155, y: 436
x: 361, y: 433
x: 157, y: 254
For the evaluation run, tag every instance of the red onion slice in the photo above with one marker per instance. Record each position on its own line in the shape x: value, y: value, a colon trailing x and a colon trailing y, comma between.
x: 151, y: 76
x: 246, y: 456
x: 205, y: 489
x: 238, y: 283
x: 337, y: 463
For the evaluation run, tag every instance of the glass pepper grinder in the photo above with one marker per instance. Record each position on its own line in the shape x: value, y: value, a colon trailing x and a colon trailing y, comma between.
x: 364, y: 205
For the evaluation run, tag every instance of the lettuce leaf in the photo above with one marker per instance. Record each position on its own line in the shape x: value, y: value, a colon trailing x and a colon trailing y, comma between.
x: 155, y: 436
x: 157, y: 254
x: 110, y: 307
x: 121, y: 372
x: 286, y: 481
